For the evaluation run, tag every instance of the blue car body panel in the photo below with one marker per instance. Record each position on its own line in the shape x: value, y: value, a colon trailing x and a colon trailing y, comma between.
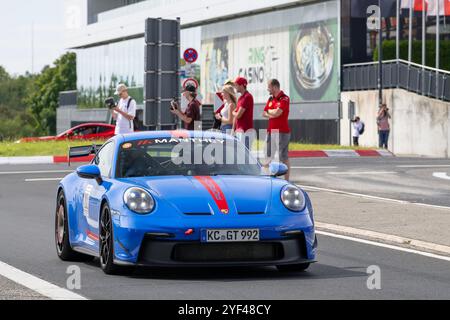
x: 181, y: 203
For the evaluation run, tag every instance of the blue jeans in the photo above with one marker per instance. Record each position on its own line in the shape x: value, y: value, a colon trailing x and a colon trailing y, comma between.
x: 226, y: 128
x: 383, y: 138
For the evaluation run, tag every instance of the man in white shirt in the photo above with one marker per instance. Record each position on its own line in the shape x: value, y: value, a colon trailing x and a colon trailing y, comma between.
x: 125, y: 112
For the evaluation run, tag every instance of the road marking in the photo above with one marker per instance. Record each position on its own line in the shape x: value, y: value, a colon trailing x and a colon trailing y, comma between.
x: 34, y: 172
x: 441, y: 175
x: 43, y: 179
x: 378, y: 236
x: 314, y: 167
x: 363, y: 173
x: 36, y: 284
x: 388, y: 246
x: 424, y: 166
x: 372, y: 197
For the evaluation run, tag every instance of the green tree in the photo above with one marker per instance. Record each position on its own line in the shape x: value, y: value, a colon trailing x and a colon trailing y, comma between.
x: 43, y: 98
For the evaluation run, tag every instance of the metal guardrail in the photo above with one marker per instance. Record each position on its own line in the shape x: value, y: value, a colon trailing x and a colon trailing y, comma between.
x: 430, y: 82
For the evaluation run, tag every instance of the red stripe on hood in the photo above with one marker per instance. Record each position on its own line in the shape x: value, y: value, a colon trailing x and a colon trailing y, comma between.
x: 216, y: 192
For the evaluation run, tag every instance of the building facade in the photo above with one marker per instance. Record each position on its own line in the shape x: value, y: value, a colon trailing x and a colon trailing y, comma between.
x: 301, y: 43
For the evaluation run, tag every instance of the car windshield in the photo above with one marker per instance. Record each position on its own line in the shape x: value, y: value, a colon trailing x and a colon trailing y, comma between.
x: 185, y: 156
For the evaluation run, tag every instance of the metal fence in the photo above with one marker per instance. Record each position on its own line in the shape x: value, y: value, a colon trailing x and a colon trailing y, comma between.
x: 430, y: 82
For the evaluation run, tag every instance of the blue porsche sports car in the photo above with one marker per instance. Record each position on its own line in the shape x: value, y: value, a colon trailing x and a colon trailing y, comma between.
x: 181, y: 198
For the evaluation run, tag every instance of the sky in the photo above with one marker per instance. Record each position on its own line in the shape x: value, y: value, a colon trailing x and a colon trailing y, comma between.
x: 16, y: 26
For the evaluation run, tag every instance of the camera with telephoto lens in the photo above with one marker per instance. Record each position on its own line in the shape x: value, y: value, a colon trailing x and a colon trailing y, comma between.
x: 110, y: 103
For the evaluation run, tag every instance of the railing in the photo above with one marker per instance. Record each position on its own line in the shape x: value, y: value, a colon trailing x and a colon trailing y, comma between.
x: 430, y: 82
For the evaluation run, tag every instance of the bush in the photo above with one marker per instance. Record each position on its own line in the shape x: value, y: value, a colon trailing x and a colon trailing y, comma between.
x: 389, y: 52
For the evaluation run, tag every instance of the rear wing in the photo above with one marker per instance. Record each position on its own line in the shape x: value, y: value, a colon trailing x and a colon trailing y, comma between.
x: 83, y: 151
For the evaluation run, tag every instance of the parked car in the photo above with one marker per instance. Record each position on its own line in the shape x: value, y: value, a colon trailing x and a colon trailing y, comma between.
x: 87, y: 131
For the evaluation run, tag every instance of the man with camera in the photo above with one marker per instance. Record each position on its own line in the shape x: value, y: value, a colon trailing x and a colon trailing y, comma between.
x: 192, y: 113
x: 384, y: 127
x: 125, y: 112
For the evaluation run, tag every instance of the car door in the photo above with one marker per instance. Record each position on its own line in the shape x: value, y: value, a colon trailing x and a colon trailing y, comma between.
x: 94, y: 192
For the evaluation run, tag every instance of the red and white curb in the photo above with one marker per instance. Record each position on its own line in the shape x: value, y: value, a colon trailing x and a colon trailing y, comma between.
x: 292, y: 154
x: 41, y: 160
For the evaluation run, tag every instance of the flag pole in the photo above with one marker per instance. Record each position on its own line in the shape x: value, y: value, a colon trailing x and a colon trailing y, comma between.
x: 380, y: 57
x: 397, y: 35
x: 410, y: 31
x: 424, y: 35
x: 438, y: 31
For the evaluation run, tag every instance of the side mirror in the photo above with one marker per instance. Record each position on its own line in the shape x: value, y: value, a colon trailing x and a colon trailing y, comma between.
x: 90, y: 172
x: 278, y: 169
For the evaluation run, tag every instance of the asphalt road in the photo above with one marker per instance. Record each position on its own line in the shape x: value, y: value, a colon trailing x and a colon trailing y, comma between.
x: 409, y: 179
x: 26, y: 242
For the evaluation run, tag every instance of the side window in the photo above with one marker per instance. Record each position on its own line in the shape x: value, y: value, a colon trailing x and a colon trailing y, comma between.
x: 104, y: 159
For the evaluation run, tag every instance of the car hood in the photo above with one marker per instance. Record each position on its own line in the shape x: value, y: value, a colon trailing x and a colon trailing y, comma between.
x: 212, y: 195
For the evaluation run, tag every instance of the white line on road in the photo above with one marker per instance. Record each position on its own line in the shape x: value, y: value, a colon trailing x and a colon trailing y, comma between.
x: 43, y: 179
x: 362, y: 173
x: 373, y: 197
x: 424, y: 166
x: 36, y: 284
x: 34, y: 172
x: 441, y: 175
x: 388, y: 246
x: 314, y: 167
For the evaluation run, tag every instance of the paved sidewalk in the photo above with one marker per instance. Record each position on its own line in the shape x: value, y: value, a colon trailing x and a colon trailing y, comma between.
x: 10, y: 290
x: 405, y: 220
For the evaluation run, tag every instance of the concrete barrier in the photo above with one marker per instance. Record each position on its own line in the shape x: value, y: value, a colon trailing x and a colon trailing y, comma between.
x: 419, y: 125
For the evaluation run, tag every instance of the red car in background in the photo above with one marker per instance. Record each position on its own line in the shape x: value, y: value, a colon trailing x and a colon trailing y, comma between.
x: 87, y: 131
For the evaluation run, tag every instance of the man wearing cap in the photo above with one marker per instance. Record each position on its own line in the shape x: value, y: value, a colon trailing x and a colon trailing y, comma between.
x: 192, y: 113
x: 277, y: 111
x: 125, y: 112
x: 244, y: 109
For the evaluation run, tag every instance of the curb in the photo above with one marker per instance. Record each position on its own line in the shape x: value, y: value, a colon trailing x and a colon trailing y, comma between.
x: 385, y: 238
x: 41, y: 160
x: 340, y: 154
x: 292, y: 155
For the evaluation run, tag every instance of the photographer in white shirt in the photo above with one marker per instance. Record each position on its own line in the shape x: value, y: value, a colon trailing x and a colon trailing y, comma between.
x: 125, y: 112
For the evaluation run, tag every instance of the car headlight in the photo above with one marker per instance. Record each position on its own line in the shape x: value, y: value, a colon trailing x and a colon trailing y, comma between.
x: 138, y: 200
x: 293, y: 198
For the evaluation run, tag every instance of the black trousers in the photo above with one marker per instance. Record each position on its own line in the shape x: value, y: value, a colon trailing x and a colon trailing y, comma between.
x: 356, y: 141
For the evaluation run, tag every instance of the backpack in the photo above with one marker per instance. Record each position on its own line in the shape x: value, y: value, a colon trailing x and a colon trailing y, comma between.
x: 136, y: 123
x: 363, y: 128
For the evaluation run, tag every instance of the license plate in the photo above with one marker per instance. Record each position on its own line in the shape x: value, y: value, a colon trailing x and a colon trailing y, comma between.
x: 230, y: 235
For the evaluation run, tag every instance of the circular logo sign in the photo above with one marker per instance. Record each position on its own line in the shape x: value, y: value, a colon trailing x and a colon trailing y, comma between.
x: 190, y: 81
x: 190, y: 55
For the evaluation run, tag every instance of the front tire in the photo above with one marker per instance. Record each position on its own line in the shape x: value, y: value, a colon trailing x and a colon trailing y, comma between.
x: 63, y: 248
x: 107, y: 243
x: 294, y: 267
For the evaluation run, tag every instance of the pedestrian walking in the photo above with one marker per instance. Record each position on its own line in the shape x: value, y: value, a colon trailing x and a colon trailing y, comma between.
x: 384, y: 127
x: 277, y: 111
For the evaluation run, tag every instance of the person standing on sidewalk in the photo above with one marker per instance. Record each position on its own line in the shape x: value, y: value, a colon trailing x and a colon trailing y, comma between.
x: 244, y: 111
x: 277, y: 111
x: 192, y: 113
x: 125, y: 112
x: 358, y: 130
x: 384, y: 127
x: 225, y: 116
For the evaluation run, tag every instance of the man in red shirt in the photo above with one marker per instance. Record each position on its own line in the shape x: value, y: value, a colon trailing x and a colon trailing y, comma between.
x: 244, y: 110
x: 277, y: 111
